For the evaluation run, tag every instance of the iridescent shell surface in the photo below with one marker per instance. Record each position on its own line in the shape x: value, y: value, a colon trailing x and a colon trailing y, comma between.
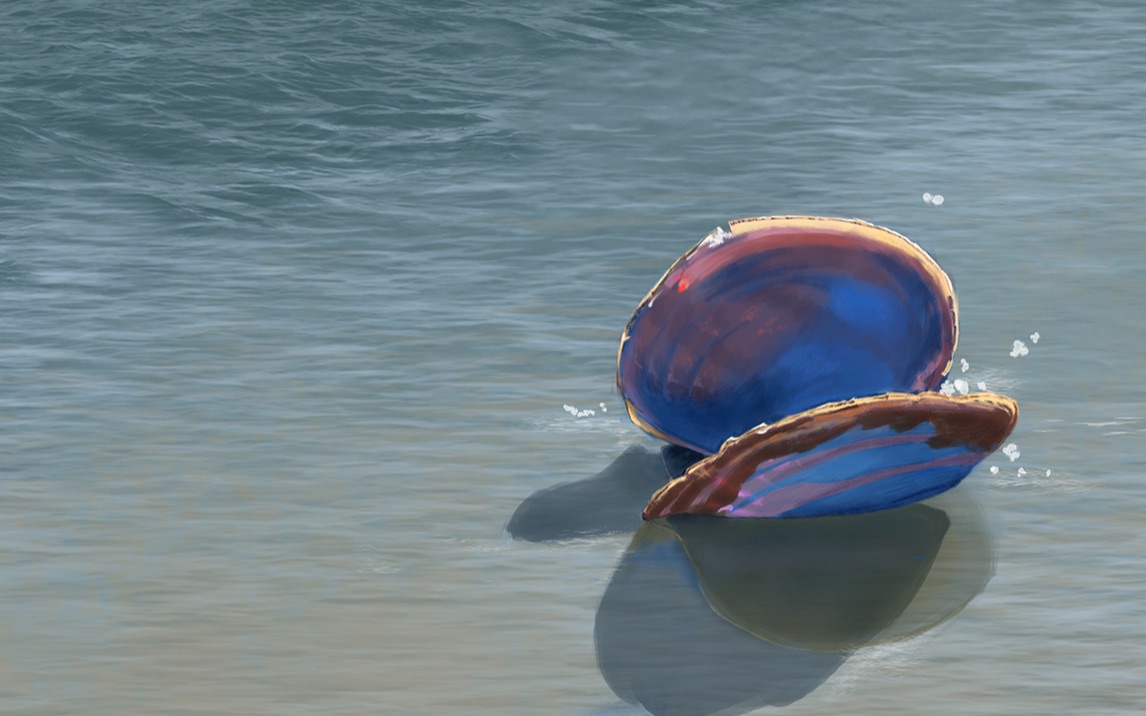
x: 780, y: 315
x: 844, y: 458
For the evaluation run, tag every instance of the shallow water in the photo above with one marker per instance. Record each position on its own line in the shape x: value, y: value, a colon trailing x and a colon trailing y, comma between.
x: 294, y: 295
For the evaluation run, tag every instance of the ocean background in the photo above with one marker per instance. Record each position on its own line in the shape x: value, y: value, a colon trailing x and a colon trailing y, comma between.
x: 294, y: 297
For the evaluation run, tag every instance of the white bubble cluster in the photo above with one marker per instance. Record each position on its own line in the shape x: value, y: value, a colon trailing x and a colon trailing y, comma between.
x: 994, y: 469
x: 1035, y: 337
x: 1021, y: 472
x: 1012, y: 451
x: 715, y: 238
x: 981, y: 385
x: 933, y: 199
x: 948, y: 388
x: 603, y: 408
x: 1019, y: 349
x: 961, y: 386
x: 578, y: 413
x: 964, y: 365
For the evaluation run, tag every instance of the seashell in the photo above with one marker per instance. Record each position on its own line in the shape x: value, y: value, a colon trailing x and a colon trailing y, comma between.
x: 782, y: 315
x: 844, y: 458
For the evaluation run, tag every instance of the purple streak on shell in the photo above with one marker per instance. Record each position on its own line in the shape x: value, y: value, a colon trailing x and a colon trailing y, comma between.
x: 844, y: 458
x: 784, y: 500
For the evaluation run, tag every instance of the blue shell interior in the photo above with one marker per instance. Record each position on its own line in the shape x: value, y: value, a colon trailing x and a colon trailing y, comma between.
x: 769, y: 323
x: 859, y: 471
x: 844, y: 458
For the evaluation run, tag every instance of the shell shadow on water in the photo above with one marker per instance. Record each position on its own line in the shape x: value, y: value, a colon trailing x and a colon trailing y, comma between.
x: 705, y: 615
x: 610, y: 502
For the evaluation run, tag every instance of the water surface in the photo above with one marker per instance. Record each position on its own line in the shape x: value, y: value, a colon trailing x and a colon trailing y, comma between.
x: 294, y: 295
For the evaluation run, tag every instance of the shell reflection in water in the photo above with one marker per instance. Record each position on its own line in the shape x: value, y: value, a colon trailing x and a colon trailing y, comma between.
x: 842, y: 582
x: 781, y: 315
x: 844, y: 458
x: 706, y: 615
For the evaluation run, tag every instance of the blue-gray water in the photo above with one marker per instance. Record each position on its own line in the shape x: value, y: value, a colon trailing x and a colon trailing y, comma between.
x: 294, y: 293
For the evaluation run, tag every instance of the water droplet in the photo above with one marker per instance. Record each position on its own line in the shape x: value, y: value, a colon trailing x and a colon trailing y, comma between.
x: 994, y: 469
x: 981, y: 385
x: 1019, y: 349
x: 964, y: 365
x: 937, y: 200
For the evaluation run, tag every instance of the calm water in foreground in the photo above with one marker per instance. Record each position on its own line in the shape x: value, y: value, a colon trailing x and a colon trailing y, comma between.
x: 294, y: 295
